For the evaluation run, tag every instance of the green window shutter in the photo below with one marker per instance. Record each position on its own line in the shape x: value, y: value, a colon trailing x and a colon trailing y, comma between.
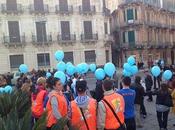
x: 124, y: 40
x: 135, y: 14
x: 131, y: 37
x: 130, y: 15
x: 124, y: 16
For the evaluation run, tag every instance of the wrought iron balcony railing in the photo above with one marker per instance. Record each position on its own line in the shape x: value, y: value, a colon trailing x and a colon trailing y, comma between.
x: 11, y: 8
x: 36, y: 9
x: 70, y: 38
x: 87, y: 10
x: 14, y: 40
x: 64, y: 10
x: 89, y: 37
x: 41, y: 40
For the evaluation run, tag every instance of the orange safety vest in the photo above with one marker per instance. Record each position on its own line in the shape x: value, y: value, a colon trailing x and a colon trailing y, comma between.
x: 90, y: 115
x: 62, y: 108
x: 117, y: 103
x: 38, y: 104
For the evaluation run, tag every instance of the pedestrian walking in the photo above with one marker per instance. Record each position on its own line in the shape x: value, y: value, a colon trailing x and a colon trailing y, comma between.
x: 83, y: 109
x: 110, y: 109
x: 173, y: 97
x: 149, y: 84
x: 163, y: 104
x: 129, y: 98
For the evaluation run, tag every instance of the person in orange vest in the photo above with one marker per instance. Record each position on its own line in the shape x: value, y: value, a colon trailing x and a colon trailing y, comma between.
x: 37, y: 99
x: 110, y: 115
x: 83, y: 109
x: 57, y: 105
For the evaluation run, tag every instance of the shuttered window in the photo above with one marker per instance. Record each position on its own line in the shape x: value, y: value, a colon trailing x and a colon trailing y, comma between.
x: 38, y: 5
x: 11, y: 5
x: 41, y: 31
x: 124, y: 16
x: 68, y: 57
x: 90, y: 56
x: 88, y: 29
x: 86, y: 5
x: 14, y: 33
x: 107, y: 56
x: 131, y: 37
x: 106, y: 28
x: 130, y: 14
x: 43, y: 59
x: 124, y: 39
x: 16, y: 61
x: 65, y: 30
x: 63, y: 5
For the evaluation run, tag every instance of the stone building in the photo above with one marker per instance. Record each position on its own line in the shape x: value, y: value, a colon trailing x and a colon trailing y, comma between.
x: 145, y: 29
x: 32, y: 30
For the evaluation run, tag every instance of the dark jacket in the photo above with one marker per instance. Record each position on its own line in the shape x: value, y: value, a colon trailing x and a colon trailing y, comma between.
x: 139, y: 92
x: 148, y: 82
x: 99, y: 93
x: 164, y: 98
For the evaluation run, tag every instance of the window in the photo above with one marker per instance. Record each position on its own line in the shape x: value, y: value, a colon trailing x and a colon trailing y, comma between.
x: 14, y: 34
x: 43, y: 59
x: 124, y: 39
x: 107, y: 56
x: 90, y: 56
x: 16, y: 61
x: 63, y: 5
x: 11, y: 5
x: 106, y: 28
x: 86, y: 5
x: 88, y: 29
x: 41, y: 31
x: 38, y: 5
x: 68, y: 57
x: 124, y: 16
x: 130, y: 14
x: 131, y: 37
x: 135, y: 14
x: 65, y: 30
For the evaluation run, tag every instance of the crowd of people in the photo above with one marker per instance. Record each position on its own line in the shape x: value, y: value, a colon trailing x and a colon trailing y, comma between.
x: 109, y: 108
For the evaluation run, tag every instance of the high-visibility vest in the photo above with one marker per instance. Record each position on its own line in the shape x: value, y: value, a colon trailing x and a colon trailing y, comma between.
x: 77, y: 119
x: 62, y: 108
x: 117, y: 103
x: 38, y: 104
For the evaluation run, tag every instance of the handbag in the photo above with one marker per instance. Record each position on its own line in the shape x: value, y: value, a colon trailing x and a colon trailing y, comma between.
x: 122, y: 126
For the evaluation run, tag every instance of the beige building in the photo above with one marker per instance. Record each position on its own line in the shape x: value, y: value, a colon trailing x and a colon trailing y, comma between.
x: 32, y: 30
x: 145, y: 29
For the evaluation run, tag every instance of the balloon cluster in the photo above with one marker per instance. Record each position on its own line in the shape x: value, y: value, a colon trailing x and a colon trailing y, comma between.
x: 130, y: 68
x: 7, y: 89
x: 23, y: 68
x: 156, y: 71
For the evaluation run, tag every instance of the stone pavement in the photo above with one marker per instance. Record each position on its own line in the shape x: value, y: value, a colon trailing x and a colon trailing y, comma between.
x: 151, y: 123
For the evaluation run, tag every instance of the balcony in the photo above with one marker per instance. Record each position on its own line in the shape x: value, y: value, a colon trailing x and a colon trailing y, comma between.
x: 36, y: 9
x: 40, y: 40
x: 88, y: 38
x: 64, y: 10
x: 70, y: 38
x: 14, y: 40
x: 131, y: 23
x: 11, y: 8
x: 87, y: 10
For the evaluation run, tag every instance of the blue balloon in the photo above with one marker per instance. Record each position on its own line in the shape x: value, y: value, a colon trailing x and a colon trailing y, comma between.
x: 126, y: 73
x: 61, y: 76
x: 68, y: 63
x: 167, y: 75
x: 79, y: 69
x: 92, y: 67
x: 23, y: 68
x: 84, y: 68
x: 155, y: 71
x: 59, y: 55
x: 8, y: 89
x: 127, y: 67
x: 70, y: 70
x: 134, y: 70
x: 61, y: 66
x: 100, y: 74
x: 109, y: 69
x: 131, y: 60
x: 1, y: 90
x: 48, y: 74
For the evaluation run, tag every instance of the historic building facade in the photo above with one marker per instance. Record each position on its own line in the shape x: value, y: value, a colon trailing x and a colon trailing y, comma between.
x: 145, y: 29
x: 32, y: 30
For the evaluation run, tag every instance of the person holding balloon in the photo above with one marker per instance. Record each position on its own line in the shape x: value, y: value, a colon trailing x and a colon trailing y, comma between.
x: 4, y: 87
x: 57, y: 104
